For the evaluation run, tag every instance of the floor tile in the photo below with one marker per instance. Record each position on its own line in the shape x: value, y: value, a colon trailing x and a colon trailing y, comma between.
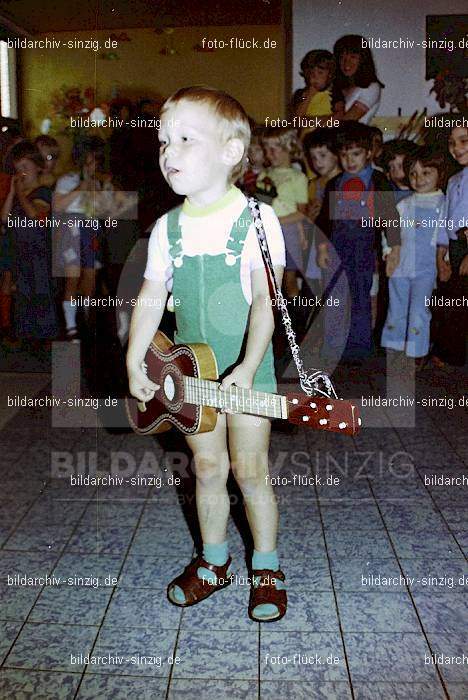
x: 149, y: 543
x: 100, y: 539
x: 30, y: 538
x: 312, y: 546
x: 51, y: 647
x: 384, y: 656
x: 40, y: 685
x: 311, y: 690
x: 75, y: 605
x: 135, y: 652
x: 16, y: 601
x: 359, y: 544
x: 450, y: 653
x: 8, y: 632
x: 376, y: 612
x: 217, y: 654
x: 212, y: 689
x: 423, y: 545
x: 301, y: 656
x: 225, y: 610
x: 398, y: 691
x: 443, y: 611
x: 412, y: 517
x: 361, y: 574
x: 457, y: 691
x: 344, y: 517
x: 29, y: 564
x: 96, y: 686
x: 73, y: 567
x: 436, y: 575
x: 149, y: 572
x: 138, y: 607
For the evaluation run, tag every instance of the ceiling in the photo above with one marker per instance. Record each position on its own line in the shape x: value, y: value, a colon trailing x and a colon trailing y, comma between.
x: 47, y: 16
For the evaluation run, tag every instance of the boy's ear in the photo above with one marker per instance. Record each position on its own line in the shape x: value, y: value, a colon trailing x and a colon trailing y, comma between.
x: 233, y: 152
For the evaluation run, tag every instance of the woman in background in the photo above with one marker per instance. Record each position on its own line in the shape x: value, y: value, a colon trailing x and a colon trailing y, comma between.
x: 356, y: 89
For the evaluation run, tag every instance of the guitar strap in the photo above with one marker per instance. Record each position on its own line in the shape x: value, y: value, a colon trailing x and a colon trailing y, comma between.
x: 316, y: 381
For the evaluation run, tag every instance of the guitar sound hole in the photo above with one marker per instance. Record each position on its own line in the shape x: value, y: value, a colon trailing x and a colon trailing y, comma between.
x: 169, y: 387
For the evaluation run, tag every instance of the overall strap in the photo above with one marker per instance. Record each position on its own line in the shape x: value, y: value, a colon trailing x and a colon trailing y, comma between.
x: 174, y: 233
x: 239, y: 232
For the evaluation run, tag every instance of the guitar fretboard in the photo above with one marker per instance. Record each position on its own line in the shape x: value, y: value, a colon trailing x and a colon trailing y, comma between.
x: 204, y: 392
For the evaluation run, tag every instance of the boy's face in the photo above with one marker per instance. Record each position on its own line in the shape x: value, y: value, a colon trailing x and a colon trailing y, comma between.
x: 256, y: 156
x: 355, y: 158
x: 318, y: 77
x: 458, y: 145
x: 28, y: 171
x: 193, y: 157
x: 423, y: 178
x: 50, y: 156
x: 396, y: 171
x: 323, y: 160
x: 276, y: 154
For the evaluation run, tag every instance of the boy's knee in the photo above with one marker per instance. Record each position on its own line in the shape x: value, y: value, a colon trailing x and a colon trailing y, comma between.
x: 208, y: 470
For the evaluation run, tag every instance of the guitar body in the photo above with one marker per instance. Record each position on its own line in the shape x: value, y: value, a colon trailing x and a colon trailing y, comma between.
x: 167, y: 365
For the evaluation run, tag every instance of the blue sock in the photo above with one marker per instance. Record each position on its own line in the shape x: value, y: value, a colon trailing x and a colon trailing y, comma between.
x: 216, y: 554
x: 266, y: 560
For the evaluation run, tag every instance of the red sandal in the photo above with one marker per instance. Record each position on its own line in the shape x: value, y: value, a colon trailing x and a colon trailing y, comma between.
x: 265, y: 591
x: 196, y: 589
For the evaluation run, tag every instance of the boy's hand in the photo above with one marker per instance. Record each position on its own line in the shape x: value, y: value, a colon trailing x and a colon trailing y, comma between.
x: 313, y: 209
x: 141, y: 387
x: 392, y: 261
x: 464, y: 266
x: 242, y: 376
x: 323, y: 258
x: 444, y: 271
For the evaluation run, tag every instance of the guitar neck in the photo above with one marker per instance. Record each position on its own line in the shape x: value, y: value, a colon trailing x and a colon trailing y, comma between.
x: 204, y: 392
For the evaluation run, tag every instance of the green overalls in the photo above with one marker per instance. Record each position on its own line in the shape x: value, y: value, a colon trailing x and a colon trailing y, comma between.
x: 212, y: 308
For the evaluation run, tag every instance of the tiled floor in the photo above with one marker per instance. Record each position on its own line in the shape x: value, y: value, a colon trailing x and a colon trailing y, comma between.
x: 376, y: 566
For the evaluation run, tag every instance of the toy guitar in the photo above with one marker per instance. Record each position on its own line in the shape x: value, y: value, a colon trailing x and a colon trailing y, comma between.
x: 189, y: 396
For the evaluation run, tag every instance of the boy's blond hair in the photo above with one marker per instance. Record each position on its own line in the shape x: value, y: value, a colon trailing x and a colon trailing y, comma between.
x: 233, y: 120
x: 287, y: 139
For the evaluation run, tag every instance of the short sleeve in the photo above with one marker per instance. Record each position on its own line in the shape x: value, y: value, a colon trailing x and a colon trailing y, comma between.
x: 67, y: 183
x: 275, y: 240
x: 159, y: 264
x: 368, y: 96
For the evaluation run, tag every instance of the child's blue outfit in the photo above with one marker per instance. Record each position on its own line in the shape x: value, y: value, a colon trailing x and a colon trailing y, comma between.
x: 351, y: 202
x: 35, y: 312
x: 408, y: 320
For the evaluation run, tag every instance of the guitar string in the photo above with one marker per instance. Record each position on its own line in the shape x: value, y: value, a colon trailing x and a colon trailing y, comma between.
x: 208, y: 391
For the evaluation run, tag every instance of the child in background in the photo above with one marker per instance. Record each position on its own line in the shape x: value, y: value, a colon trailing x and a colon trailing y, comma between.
x: 207, y: 253
x: 78, y: 245
x: 281, y: 146
x: 35, y: 316
x: 352, y: 201
x: 423, y: 247
x: 452, y: 326
x: 377, y: 147
x: 314, y: 100
x: 256, y: 163
x: 50, y: 151
x: 393, y: 158
x: 320, y: 150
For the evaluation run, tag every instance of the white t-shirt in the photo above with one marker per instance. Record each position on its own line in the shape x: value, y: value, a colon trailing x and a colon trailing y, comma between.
x: 208, y: 235
x: 369, y: 97
x: 67, y: 183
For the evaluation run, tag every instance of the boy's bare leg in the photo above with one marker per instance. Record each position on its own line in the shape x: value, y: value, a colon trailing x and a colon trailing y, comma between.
x: 211, y: 461
x: 249, y: 439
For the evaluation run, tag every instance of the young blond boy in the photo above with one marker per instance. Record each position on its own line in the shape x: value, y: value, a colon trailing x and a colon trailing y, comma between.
x: 207, y: 254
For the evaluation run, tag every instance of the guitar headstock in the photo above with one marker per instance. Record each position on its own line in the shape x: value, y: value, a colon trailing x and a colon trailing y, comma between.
x: 322, y: 413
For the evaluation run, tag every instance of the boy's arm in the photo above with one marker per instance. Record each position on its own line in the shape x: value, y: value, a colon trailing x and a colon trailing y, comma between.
x: 261, y: 327
x: 145, y: 322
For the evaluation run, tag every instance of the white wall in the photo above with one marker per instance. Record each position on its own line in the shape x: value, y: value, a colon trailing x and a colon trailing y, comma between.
x: 317, y: 24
